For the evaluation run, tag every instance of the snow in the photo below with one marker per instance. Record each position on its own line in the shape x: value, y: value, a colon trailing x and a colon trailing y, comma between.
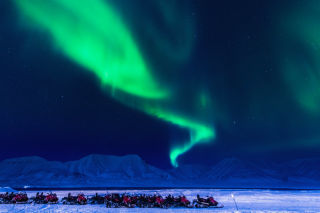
x: 247, y: 200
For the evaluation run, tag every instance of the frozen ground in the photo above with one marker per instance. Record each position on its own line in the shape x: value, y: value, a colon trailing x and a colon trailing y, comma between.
x: 247, y: 200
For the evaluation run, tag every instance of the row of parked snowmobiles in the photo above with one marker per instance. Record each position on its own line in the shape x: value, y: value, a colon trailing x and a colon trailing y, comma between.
x: 22, y: 198
x: 114, y: 200
x: 13, y: 198
x: 157, y: 201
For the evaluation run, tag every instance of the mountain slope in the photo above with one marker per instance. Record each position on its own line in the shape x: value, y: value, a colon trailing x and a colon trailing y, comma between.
x: 132, y: 171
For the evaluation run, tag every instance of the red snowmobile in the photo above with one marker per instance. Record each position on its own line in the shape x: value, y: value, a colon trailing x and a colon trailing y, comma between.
x: 108, y: 200
x: 182, y: 202
x: 20, y: 198
x: 81, y: 199
x: 159, y: 202
x: 126, y: 201
x: 209, y: 202
x: 51, y: 198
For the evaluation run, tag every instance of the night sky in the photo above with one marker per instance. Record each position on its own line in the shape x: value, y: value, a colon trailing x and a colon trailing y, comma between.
x: 249, y: 71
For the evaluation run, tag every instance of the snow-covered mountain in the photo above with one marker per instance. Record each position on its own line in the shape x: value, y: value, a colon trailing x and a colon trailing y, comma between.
x: 237, y: 173
x: 126, y: 167
x: 132, y: 171
x: 189, y: 172
x: 91, y: 171
x: 233, y: 168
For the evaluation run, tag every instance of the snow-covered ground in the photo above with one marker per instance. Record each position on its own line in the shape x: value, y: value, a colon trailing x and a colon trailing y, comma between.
x: 247, y: 200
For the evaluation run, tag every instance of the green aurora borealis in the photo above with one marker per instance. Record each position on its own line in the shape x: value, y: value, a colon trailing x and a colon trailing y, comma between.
x: 106, y: 47
x: 302, y: 68
x: 237, y: 77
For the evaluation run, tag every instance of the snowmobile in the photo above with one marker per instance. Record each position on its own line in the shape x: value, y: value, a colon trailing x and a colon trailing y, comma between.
x: 182, y: 201
x: 126, y: 201
x: 159, y: 202
x: 69, y: 200
x: 73, y: 200
x: 168, y: 201
x: 6, y: 198
x: 113, y: 201
x: 108, y: 200
x: 206, y: 203
x: 39, y: 198
x: 51, y: 198
x: 81, y: 199
x: 1, y: 198
x: 97, y: 199
x: 141, y: 201
x: 185, y: 202
x: 134, y: 201
x: 150, y: 201
x: 20, y: 198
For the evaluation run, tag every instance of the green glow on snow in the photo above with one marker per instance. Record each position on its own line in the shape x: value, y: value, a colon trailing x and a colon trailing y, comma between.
x: 92, y: 34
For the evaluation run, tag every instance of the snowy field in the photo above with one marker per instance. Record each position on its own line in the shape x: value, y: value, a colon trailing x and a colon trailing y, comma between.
x: 247, y: 200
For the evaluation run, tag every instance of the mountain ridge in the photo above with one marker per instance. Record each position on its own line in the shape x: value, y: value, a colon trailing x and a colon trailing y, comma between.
x: 132, y: 171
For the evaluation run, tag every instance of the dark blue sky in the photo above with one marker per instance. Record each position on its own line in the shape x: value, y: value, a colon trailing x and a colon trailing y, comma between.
x: 52, y: 108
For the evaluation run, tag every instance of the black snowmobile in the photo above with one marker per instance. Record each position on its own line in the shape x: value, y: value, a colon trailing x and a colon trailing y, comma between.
x: 206, y: 203
x: 39, y: 198
x: 96, y: 199
x: 114, y: 201
x: 6, y: 198
x: 74, y: 200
